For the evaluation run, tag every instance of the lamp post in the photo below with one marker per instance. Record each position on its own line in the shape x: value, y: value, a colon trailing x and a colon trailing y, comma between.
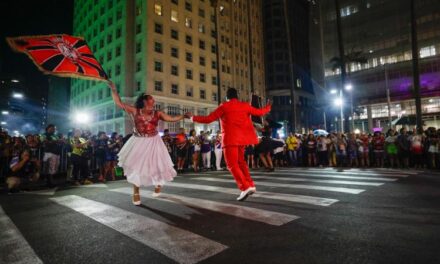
x: 339, y: 102
x: 349, y: 88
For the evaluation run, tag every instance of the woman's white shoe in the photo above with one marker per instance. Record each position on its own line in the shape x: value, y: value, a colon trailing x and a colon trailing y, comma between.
x: 137, y: 203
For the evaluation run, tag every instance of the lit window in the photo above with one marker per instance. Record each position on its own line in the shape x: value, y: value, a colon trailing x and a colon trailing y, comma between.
x: 174, y: 89
x: 349, y: 10
x: 174, y: 16
x: 158, y: 9
x: 427, y: 51
x: 188, y: 22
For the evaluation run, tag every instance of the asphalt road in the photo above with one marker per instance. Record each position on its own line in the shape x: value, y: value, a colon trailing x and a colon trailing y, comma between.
x: 296, y: 216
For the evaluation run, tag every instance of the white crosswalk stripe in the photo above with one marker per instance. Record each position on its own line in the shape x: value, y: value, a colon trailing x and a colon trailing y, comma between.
x: 13, y: 246
x: 347, y: 172
x: 319, y: 201
x: 334, y: 176
x: 319, y: 181
x: 296, y: 186
x: 180, y: 245
x: 254, y: 214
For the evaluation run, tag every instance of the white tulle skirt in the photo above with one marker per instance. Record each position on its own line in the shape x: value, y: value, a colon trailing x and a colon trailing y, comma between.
x: 146, y: 161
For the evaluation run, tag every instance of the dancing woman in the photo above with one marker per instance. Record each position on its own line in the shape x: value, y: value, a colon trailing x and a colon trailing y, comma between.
x: 144, y: 157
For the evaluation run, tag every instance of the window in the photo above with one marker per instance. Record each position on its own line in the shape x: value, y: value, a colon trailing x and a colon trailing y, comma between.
x: 213, y: 49
x: 158, y: 47
x: 158, y: 86
x: 176, y: 2
x: 118, y: 33
x: 201, y: 12
x: 109, y: 55
x: 214, y: 65
x: 174, y: 34
x: 202, y: 77
x: 117, y: 70
x: 109, y: 21
x: 214, y: 80
x: 138, y: 28
x: 174, y: 88
x: 158, y: 9
x: 174, y: 16
x: 138, y: 66
x: 214, y: 97
x: 189, y: 91
x: 189, y: 57
x: 189, y: 74
x: 202, y: 44
x: 158, y: 66
x: 175, y: 70
x: 213, y: 34
x: 138, y: 86
x: 119, y: 14
x: 100, y: 95
x: 188, y: 40
x: 202, y: 61
x: 202, y: 94
x: 201, y: 28
x: 188, y: 22
x: 427, y: 51
x: 138, y: 47
x: 158, y: 28
x: 175, y: 52
x: 188, y: 6
x: 109, y: 38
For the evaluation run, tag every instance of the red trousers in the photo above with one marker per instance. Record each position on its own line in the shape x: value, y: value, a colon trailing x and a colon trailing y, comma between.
x: 234, y: 157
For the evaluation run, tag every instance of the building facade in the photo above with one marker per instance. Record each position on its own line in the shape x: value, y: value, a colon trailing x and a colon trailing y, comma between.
x: 288, y: 69
x: 377, y: 40
x: 167, y: 48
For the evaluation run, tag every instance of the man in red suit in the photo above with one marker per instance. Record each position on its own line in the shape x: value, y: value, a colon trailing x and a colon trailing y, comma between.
x: 237, y: 132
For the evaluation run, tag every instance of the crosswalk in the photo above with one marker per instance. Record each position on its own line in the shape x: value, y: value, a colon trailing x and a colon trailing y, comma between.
x: 214, y: 192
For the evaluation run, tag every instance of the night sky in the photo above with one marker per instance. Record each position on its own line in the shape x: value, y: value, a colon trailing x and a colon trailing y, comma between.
x: 18, y: 18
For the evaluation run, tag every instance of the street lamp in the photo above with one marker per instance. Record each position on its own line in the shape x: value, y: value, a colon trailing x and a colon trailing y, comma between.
x: 82, y: 118
x: 339, y: 101
x: 15, y: 81
x: 18, y: 95
x: 5, y: 113
x: 349, y: 87
x: 3, y: 123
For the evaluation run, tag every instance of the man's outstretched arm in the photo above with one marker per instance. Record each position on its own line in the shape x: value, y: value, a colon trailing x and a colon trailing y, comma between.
x: 260, y: 111
x: 210, y: 118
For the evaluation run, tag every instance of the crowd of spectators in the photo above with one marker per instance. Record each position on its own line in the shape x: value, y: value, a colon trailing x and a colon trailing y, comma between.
x: 83, y: 158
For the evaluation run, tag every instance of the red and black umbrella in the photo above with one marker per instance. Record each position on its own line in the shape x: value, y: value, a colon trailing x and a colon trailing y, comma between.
x: 60, y: 55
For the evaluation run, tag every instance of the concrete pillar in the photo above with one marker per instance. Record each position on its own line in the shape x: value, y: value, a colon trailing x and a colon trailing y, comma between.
x: 370, y: 118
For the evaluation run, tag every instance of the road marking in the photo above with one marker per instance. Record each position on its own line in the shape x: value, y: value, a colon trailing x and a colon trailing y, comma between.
x: 13, y: 246
x: 296, y: 186
x: 355, y: 173
x: 254, y: 214
x: 312, y: 200
x: 285, y: 173
x: 50, y: 192
x: 319, y: 181
x: 95, y: 185
x: 175, y: 243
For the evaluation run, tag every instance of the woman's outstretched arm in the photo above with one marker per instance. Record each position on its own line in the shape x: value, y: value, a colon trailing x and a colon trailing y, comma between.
x: 118, y: 102
x: 169, y: 118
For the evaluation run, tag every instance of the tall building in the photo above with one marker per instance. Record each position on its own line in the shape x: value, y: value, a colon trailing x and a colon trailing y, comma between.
x: 377, y: 40
x: 288, y: 70
x: 169, y: 49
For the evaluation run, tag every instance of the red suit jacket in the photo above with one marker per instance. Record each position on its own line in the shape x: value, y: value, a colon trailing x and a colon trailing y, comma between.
x: 236, y: 123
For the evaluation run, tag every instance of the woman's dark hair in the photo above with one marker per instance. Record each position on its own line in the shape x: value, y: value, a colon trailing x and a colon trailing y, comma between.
x: 140, y: 100
x: 113, y: 135
x: 190, y: 132
x: 100, y: 133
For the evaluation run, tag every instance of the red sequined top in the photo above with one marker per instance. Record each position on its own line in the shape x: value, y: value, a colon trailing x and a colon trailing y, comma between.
x: 146, y: 124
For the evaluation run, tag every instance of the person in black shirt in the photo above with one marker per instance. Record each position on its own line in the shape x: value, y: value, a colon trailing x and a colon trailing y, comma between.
x: 101, y: 145
x: 22, y: 169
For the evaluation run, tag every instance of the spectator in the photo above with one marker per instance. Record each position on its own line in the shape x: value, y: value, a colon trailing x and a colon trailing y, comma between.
x: 378, y: 148
x: 182, y: 149
x: 311, y: 150
x: 52, y: 150
x: 341, y: 150
x: 292, y: 148
x: 168, y: 141
x: 417, y: 150
x: 218, y: 151
x: 205, y: 150
x: 101, y: 151
x: 352, y: 150
x: 78, y: 159
x: 194, y: 149
x: 403, y: 150
x: 23, y: 169
x: 391, y: 148
x: 322, y: 147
